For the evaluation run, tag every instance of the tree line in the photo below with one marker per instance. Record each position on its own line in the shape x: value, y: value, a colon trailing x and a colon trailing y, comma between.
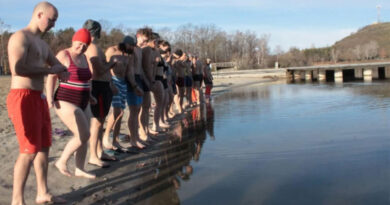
x: 246, y: 48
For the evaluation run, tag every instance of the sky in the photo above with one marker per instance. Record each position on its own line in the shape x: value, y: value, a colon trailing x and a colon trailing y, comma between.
x: 290, y: 23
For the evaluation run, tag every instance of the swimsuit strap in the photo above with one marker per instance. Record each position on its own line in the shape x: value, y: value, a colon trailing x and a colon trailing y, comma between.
x: 70, y: 58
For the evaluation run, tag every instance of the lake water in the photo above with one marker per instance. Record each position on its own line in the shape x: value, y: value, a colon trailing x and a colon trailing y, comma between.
x: 282, y: 144
x: 289, y: 144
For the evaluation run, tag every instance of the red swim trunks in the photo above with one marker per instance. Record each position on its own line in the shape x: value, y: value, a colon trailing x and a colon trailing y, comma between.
x: 30, y: 115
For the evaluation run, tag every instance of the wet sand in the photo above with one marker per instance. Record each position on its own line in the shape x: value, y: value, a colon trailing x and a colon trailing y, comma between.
x: 146, y: 177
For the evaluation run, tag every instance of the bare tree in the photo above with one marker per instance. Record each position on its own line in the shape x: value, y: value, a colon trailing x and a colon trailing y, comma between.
x: 106, y: 25
x: 370, y: 50
x: 357, y: 52
x: 4, y: 58
x: 334, y: 55
x: 263, y: 49
x: 166, y: 33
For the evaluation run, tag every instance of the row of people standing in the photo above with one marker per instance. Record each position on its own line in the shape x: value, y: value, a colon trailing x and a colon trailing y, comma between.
x: 88, y: 77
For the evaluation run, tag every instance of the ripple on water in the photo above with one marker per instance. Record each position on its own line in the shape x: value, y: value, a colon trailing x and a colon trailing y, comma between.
x: 306, y: 143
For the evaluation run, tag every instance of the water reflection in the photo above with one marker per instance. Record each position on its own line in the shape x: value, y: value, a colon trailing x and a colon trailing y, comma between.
x: 154, y: 175
x: 277, y: 144
x: 297, y: 144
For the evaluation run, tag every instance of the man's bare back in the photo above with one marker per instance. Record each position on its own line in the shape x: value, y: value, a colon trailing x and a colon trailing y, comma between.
x: 180, y: 67
x: 138, y: 61
x: 148, y: 63
x: 95, y: 54
x: 122, y: 61
x: 198, y: 68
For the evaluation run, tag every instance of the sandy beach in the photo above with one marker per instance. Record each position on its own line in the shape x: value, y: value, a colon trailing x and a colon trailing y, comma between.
x: 132, y: 180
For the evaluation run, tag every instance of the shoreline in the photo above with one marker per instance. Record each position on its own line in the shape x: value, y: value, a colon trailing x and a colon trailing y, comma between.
x: 108, y: 180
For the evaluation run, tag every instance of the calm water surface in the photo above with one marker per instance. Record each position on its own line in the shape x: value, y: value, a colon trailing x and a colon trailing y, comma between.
x: 292, y: 144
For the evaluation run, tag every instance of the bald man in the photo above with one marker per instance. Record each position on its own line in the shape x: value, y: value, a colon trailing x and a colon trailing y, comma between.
x: 27, y: 108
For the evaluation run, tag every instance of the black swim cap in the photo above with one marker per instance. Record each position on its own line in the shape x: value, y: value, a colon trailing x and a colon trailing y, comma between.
x: 179, y: 52
x: 129, y: 40
x: 93, y: 27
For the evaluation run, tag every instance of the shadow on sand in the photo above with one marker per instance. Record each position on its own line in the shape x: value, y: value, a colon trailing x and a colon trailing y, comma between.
x: 153, y: 175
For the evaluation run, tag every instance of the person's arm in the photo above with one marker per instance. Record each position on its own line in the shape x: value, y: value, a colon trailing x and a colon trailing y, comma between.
x: 18, y: 46
x: 193, y: 67
x: 50, y: 84
x: 199, y: 65
x: 147, y: 64
x: 130, y: 72
x: 109, y: 53
x: 99, y: 65
x: 210, y: 74
x: 175, y: 67
x: 54, y: 61
x: 169, y: 59
x: 204, y: 71
x: 157, y: 62
x: 51, y: 80
x: 130, y: 75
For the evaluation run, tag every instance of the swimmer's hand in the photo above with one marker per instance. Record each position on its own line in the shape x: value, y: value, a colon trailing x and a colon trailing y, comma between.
x: 64, y: 76
x: 92, y: 100
x: 112, y: 63
x: 51, y: 103
x: 147, y: 83
x: 114, y: 89
x: 57, y: 69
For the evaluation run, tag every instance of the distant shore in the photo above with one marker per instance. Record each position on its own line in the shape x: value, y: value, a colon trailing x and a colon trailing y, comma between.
x: 225, y: 80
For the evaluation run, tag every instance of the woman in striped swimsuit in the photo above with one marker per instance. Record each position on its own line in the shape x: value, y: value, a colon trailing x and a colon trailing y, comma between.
x: 71, y: 100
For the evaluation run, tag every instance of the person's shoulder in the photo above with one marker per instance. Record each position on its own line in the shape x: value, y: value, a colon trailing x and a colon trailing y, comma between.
x: 62, y: 53
x: 111, y: 50
x: 92, y: 46
x: 180, y: 63
x: 92, y: 50
x: 137, y: 49
x: 147, y: 50
x: 19, y: 37
x: 63, y: 56
x: 131, y: 58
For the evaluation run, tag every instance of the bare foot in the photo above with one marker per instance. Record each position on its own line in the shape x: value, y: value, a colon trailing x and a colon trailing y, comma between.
x: 107, y: 145
x: 153, y: 132
x: 171, y: 114
x: 126, y: 145
x: 98, y: 163
x: 106, y: 157
x: 164, y: 125
x: 62, y: 169
x: 137, y: 144
x: 49, y: 199
x: 84, y: 174
x: 116, y: 145
x: 111, y: 146
x: 143, y: 137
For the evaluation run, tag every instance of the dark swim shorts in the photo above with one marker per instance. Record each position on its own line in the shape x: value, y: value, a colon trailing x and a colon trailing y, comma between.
x: 101, y: 90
